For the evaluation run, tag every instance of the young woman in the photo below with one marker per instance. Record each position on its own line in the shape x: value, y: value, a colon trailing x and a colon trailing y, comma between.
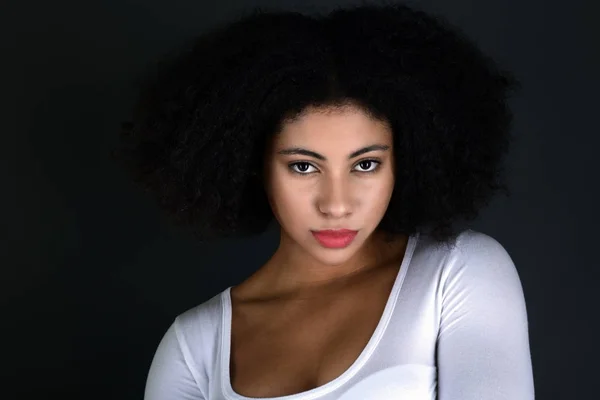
x: 366, y: 134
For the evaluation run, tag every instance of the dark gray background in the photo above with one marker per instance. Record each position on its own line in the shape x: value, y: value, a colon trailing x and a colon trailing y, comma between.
x: 93, y: 275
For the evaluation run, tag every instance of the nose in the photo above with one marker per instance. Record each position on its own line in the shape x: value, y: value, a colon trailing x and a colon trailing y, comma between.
x: 335, y: 198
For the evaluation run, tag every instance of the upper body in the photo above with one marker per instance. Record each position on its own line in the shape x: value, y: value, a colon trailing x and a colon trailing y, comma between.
x: 453, y: 327
x: 364, y: 134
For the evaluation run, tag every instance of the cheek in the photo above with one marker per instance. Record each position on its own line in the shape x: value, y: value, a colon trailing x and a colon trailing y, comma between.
x: 290, y: 200
x: 376, y: 194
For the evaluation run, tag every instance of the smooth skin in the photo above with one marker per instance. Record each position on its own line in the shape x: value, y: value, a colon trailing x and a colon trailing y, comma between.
x: 315, y: 180
x: 305, y: 316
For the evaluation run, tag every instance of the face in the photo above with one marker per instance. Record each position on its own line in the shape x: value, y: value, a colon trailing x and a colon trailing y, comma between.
x: 330, y: 171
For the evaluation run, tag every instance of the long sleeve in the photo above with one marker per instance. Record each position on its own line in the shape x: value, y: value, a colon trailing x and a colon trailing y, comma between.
x: 483, y: 342
x: 169, y: 377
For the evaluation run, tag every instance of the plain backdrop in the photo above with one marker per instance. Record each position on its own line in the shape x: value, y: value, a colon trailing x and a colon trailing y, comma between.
x: 92, y: 274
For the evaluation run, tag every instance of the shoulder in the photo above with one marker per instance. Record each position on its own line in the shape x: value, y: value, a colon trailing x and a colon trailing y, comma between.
x: 200, y: 322
x: 470, y: 257
x: 483, y: 343
x: 470, y: 242
x: 182, y: 363
x: 479, y: 267
x: 194, y: 334
x: 482, y: 254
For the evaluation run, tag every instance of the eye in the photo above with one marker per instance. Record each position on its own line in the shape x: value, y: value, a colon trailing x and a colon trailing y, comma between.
x: 367, y: 165
x: 302, y: 168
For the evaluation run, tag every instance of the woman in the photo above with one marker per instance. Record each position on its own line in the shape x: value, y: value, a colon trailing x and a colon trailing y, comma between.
x: 366, y: 134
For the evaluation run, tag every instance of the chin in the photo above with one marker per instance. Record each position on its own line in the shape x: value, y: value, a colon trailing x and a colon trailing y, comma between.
x: 333, y: 257
x: 333, y: 260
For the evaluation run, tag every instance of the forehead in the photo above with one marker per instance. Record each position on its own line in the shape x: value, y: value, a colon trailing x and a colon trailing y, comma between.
x: 333, y: 130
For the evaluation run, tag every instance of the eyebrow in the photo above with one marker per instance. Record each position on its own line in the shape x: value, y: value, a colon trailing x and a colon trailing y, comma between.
x: 310, y: 153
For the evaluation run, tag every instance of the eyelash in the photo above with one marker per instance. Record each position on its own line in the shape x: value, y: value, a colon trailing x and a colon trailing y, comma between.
x: 376, y: 162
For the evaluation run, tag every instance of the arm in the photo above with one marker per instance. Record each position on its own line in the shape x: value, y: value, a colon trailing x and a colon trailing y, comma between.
x: 170, y: 377
x: 483, y: 345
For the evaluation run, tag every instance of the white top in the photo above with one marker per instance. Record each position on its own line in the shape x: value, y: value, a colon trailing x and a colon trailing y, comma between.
x: 454, y: 326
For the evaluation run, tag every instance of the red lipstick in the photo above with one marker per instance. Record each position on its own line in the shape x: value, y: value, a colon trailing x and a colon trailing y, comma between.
x: 335, y: 238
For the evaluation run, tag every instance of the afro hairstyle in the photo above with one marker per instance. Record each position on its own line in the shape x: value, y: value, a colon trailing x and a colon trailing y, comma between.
x: 198, y: 130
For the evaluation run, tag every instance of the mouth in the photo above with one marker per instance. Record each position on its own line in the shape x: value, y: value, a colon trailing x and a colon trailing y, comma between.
x: 335, y: 238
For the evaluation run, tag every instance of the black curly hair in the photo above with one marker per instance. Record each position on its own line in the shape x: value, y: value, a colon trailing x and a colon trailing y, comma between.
x: 198, y: 132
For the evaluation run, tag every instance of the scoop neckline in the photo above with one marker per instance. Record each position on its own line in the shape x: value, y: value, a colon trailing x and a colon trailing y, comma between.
x: 328, y: 387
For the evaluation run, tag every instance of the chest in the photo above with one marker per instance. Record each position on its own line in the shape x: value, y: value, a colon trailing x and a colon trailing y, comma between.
x: 282, y: 349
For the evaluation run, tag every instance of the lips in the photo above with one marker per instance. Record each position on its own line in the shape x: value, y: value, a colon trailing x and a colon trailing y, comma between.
x: 335, y: 238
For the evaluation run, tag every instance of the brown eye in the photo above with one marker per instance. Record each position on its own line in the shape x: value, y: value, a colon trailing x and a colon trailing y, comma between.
x: 367, y: 165
x: 301, y: 167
